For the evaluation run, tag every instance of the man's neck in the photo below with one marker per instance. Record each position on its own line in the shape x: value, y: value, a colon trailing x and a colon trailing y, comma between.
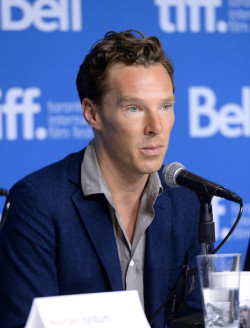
x: 120, y: 180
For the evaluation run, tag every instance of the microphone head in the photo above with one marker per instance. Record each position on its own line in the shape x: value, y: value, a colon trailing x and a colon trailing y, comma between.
x: 171, y: 172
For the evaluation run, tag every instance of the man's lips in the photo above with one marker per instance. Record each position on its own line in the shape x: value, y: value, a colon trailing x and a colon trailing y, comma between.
x: 151, y: 150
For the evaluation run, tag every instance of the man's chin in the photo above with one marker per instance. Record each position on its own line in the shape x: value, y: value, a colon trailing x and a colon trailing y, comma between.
x: 152, y: 168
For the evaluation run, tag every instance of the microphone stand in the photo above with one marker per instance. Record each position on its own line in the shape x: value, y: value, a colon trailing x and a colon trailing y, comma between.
x: 206, y: 224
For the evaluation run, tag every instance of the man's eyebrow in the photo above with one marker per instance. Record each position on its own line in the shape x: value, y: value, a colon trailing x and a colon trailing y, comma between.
x: 170, y: 99
x: 125, y: 100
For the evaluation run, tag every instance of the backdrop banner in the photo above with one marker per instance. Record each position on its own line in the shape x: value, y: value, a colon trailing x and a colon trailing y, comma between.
x: 43, y: 43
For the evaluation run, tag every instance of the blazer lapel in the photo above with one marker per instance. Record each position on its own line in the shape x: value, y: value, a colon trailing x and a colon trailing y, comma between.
x: 156, y: 258
x: 94, y: 213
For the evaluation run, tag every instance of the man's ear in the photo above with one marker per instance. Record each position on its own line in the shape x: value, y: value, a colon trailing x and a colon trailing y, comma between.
x: 90, y: 113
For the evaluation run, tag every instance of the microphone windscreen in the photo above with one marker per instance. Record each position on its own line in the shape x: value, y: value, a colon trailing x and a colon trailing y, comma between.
x: 170, y: 173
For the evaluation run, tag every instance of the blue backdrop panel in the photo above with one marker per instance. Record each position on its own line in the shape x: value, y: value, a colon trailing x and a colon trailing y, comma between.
x: 43, y: 42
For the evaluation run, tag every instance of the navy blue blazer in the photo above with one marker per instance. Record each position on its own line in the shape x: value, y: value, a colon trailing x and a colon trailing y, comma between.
x: 55, y: 241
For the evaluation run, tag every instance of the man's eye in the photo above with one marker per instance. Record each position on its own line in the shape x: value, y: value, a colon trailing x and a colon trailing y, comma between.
x: 166, y: 106
x: 133, y: 109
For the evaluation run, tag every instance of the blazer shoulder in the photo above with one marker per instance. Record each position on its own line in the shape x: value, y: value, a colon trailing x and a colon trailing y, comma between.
x: 54, y: 175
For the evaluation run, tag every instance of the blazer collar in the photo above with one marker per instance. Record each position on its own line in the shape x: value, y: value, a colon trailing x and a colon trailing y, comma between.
x: 74, y: 162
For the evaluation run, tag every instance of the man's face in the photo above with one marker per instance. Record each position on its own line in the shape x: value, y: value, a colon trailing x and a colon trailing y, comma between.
x: 135, y: 119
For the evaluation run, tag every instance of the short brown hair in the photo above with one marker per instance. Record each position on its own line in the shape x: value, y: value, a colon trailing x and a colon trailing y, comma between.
x: 125, y: 48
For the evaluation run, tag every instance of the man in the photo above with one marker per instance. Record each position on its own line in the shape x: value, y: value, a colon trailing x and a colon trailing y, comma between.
x: 102, y: 219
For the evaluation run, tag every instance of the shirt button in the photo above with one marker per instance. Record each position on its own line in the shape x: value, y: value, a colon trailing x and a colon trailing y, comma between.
x: 131, y: 263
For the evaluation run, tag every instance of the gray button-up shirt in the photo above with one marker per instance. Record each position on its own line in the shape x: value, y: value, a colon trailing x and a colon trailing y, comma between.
x: 131, y: 255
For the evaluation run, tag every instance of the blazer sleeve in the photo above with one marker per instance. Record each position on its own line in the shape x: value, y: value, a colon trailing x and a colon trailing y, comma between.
x: 27, y: 253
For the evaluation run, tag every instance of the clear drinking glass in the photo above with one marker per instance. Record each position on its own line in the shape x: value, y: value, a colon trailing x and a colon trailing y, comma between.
x: 220, y: 278
x: 245, y: 299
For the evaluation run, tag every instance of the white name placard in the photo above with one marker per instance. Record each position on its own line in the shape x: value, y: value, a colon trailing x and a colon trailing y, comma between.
x: 99, y: 310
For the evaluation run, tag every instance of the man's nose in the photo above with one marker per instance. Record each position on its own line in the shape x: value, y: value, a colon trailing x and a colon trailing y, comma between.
x: 153, y: 124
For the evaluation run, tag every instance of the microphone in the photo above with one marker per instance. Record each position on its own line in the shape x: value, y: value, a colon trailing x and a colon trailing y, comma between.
x: 3, y: 192
x: 175, y: 175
